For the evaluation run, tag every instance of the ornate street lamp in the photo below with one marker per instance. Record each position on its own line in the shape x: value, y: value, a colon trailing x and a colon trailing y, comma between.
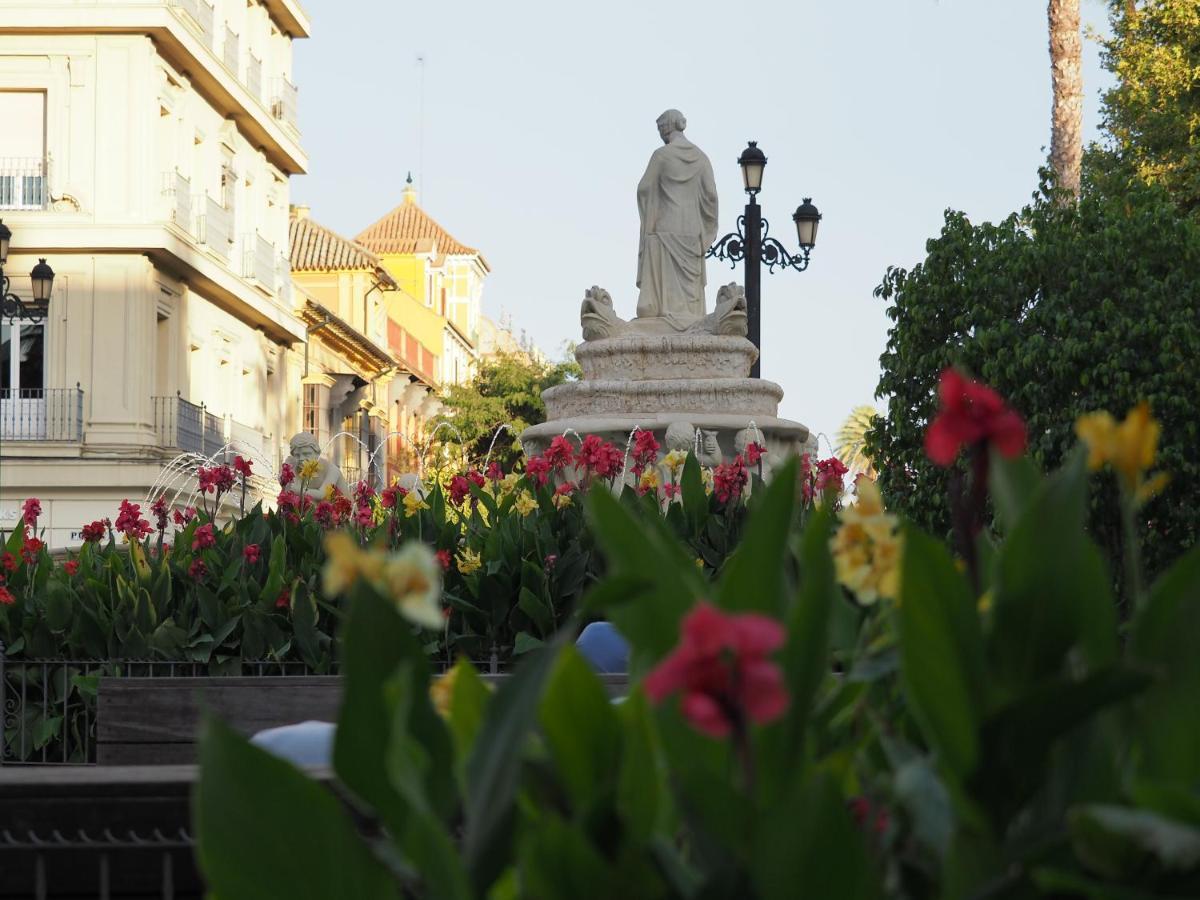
x: 13, y: 307
x: 752, y: 244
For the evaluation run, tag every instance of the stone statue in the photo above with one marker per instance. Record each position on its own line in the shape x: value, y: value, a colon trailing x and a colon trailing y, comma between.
x: 597, y: 316
x: 729, y: 317
x: 677, y: 204
x: 680, y: 436
x: 304, y: 448
x: 753, y: 436
x: 709, y: 452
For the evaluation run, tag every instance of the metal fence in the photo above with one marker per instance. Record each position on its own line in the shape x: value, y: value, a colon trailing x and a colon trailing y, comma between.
x: 22, y: 182
x: 48, y: 706
x: 41, y: 414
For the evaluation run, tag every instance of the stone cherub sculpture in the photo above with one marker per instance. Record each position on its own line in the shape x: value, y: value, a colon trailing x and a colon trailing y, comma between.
x: 683, y: 436
x: 753, y: 436
x: 305, y: 449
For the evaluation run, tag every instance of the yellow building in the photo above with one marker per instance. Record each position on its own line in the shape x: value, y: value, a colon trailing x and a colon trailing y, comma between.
x: 441, y: 284
x: 364, y: 375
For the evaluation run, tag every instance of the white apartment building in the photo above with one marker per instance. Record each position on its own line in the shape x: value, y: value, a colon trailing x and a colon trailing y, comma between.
x: 145, y: 152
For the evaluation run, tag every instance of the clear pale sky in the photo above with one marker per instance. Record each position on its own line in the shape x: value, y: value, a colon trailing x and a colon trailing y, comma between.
x: 539, y: 120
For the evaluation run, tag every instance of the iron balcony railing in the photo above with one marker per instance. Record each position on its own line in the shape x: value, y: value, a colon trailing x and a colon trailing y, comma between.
x: 41, y: 414
x: 258, y: 261
x: 254, y: 76
x: 22, y: 182
x: 201, y: 15
x: 229, y: 51
x: 284, y: 103
x: 178, y: 191
x: 187, y: 427
x: 215, y: 225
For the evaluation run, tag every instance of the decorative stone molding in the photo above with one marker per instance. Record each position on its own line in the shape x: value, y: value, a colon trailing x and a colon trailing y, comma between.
x: 666, y: 356
x: 747, y: 397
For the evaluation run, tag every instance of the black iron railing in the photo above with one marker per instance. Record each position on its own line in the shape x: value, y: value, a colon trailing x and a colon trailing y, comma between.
x: 41, y: 414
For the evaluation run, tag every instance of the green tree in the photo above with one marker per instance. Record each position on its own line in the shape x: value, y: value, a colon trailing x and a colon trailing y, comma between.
x: 1153, y: 112
x: 506, y: 390
x: 1064, y: 310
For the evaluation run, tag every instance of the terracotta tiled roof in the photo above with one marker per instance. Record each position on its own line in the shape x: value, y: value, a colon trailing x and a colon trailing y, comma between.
x: 314, y: 248
x: 409, y: 229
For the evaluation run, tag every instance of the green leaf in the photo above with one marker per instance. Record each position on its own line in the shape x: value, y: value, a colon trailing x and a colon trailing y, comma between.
x: 581, y: 730
x: 1013, y: 483
x: 526, y: 642
x: 495, y: 763
x: 695, y: 501
x: 59, y: 606
x: 538, y: 610
x: 1116, y: 840
x: 468, y: 702
x: 642, y: 793
x: 755, y: 577
x: 265, y: 830
x: 941, y: 652
x: 556, y: 860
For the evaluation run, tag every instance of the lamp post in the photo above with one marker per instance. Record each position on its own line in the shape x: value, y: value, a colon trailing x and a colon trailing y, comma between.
x: 13, y: 307
x: 752, y: 244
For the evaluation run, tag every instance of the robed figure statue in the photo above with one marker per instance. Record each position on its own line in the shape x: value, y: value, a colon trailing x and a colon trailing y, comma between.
x: 677, y: 204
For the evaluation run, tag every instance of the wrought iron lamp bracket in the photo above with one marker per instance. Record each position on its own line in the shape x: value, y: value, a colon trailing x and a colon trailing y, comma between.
x: 13, y: 307
x: 732, y: 249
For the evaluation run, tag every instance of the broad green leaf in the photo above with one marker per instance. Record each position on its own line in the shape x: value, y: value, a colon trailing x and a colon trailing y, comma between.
x: 941, y: 652
x: 495, y: 763
x: 468, y: 701
x: 755, y: 576
x: 266, y: 830
x: 1012, y: 483
x: 59, y: 606
x: 538, y: 610
x: 695, y: 501
x: 556, y: 860
x: 1117, y: 840
x: 582, y: 730
x: 642, y: 793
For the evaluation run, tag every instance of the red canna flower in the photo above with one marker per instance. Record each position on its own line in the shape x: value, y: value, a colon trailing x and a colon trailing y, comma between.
x: 242, y: 466
x: 250, y: 552
x: 326, y: 514
x: 494, y: 472
x: 645, y: 451
x: 537, y: 469
x: 460, y: 489
x: 32, y: 548
x: 443, y: 558
x: 203, y: 537
x: 130, y: 521
x: 197, y: 569
x: 30, y: 510
x: 754, y: 452
x: 71, y: 567
x: 94, y: 532
x: 284, y: 600
x: 6, y: 597
x: 286, y: 475
x: 971, y: 413
x: 720, y: 667
x: 559, y: 454
x: 729, y: 479
x: 8, y: 562
x: 599, y: 457
x: 829, y: 475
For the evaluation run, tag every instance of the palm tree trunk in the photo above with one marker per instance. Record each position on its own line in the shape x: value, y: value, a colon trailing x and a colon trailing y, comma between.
x: 1066, y: 73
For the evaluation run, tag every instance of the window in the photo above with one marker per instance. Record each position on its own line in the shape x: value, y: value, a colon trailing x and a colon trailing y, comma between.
x: 22, y: 354
x: 23, y: 150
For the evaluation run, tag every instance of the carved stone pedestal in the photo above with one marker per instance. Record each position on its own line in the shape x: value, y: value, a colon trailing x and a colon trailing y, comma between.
x: 682, y: 381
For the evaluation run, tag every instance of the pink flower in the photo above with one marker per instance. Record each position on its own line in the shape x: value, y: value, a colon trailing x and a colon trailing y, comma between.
x: 286, y: 475
x: 971, y: 414
x: 341, y: 504
x: 224, y: 478
x: 599, y: 457
x: 364, y: 516
x: 443, y: 558
x: 537, y: 469
x: 129, y: 521
x: 550, y: 560
x: 754, y: 452
x: 729, y: 479
x: 203, y: 537
x: 559, y: 454
x: 207, y: 479
x: 565, y: 489
x: 242, y: 466
x: 284, y: 600
x: 159, y: 508
x: 71, y: 567
x: 476, y: 478
x: 197, y: 570
x: 8, y: 562
x: 33, y: 547
x: 720, y: 667
x: 494, y: 472
x: 645, y: 451
x: 671, y: 490
x: 391, y: 495
x: 181, y: 518
x: 30, y: 510
x: 363, y: 493
x: 6, y: 597
x: 326, y: 514
x: 250, y: 553
x: 93, y: 533
x: 829, y: 475
x: 460, y: 489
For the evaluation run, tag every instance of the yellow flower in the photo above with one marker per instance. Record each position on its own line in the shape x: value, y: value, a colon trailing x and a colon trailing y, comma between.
x: 649, y: 481
x: 469, y: 561
x: 346, y: 562
x: 699, y: 563
x: 561, y: 501
x: 412, y: 580
x: 413, y: 503
x: 984, y: 603
x: 1128, y: 446
x: 330, y: 491
x: 706, y: 476
x: 866, y: 548
x: 509, y: 483
x: 525, y: 503
x: 674, y: 461
x: 309, y: 469
x: 441, y: 692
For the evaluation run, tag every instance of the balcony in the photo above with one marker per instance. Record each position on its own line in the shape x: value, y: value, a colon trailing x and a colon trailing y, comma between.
x: 215, y: 225
x: 284, y: 102
x: 42, y: 414
x: 178, y: 192
x: 229, y: 52
x: 201, y: 16
x: 258, y: 260
x: 254, y: 77
x: 22, y: 183
x: 187, y: 427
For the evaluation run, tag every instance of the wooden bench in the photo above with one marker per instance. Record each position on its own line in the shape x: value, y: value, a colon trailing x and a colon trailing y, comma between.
x: 156, y: 721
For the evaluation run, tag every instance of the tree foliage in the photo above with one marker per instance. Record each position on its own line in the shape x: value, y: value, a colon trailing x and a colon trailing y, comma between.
x: 1153, y: 111
x: 506, y: 389
x: 1064, y: 310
